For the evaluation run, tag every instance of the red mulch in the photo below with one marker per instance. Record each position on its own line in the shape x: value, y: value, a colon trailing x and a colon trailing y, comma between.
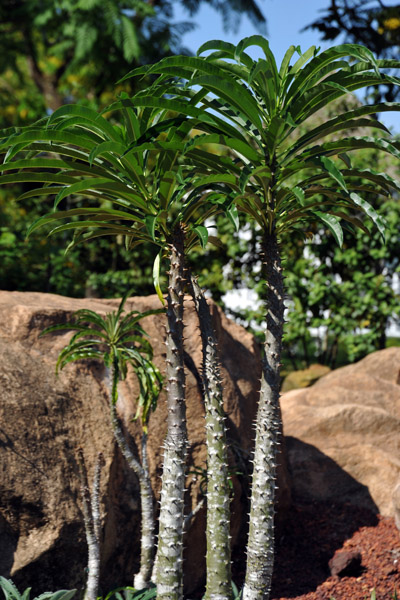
x: 312, y: 535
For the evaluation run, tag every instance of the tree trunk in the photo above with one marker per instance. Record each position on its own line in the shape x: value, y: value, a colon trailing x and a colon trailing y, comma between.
x: 218, y: 586
x: 169, y: 574
x: 147, y: 541
x: 260, y: 549
x: 91, y: 516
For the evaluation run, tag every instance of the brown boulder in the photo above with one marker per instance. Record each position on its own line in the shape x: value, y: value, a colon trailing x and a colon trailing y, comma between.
x: 45, y: 418
x: 343, y: 434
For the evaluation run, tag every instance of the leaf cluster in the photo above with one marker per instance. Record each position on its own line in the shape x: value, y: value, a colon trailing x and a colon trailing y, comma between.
x: 119, y: 341
x: 11, y: 592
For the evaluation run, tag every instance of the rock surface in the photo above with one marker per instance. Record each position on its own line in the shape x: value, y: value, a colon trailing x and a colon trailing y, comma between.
x: 44, y: 419
x: 343, y: 434
x: 345, y: 563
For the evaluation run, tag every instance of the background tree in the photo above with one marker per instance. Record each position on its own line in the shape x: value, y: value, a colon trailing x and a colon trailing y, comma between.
x: 75, y: 51
x: 53, y: 52
x: 372, y: 23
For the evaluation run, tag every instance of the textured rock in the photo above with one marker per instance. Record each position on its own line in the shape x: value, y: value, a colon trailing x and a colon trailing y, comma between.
x: 44, y: 418
x: 343, y: 434
x: 345, y: 564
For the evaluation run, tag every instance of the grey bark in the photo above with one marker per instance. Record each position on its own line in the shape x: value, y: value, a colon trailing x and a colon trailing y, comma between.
x: 91, y: 516
x: 147, y: 540
x: 169, y: 574
x: 218, y: 584
x: 260, y: 548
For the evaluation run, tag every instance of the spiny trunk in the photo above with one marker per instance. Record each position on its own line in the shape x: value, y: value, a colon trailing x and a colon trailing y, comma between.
x: 169, y: 575
x: 260, y: 549
x: 91, y: 516
x: 147, y: 542
x: 218, y: 586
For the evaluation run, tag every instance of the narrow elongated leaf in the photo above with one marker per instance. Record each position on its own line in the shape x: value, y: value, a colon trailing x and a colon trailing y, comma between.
x: 333, y: 224
x: 286, y: 62
x: 299, y: 193
x: 88, y: 114
x: 320, y: 61
x: 233, y: 216
x: 333, y: 171
x: 234, y: 144
x: 151, y: 222
x: 114, y: 147
x: 258, y: 40
x: 156, y: 276
x: 39, y: 177
x: 202, y: 233
x: 166, y: 188
x: 366, y: 207
x: 234, y: 94
x: 80, y: 186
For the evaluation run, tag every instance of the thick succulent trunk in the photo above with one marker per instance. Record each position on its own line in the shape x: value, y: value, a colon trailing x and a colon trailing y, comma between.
x: 218, y: 586
x: 169, y: 576
x: 260, y: 548
x: 147, y: 542
x: 91, y: 516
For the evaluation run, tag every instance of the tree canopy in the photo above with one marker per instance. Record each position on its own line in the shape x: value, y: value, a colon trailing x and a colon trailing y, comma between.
x: 372, y: 23
x: 56, y: 52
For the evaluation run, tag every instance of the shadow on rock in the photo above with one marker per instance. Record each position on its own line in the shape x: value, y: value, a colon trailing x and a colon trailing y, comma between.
x: 329, y: 506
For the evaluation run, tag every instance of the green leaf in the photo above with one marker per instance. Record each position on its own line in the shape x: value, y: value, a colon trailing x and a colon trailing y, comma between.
x: 156, y: 276
x: 366, y: 207
x: 9, y: 589
x: 202, y: 233
x: 151, y: 221
x: 258, y: 40
x: 286, y: 61
x: 299, y: 193
x: 335, y: 173
x: 166, y: 188
x: 233, y: 93
x: 233, y: 216
x: 88, y: 114
x: 333, y: 224
x: 59, y: 595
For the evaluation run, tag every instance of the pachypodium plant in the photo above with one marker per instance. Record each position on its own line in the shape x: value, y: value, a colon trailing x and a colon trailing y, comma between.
x: 92, y: 520
x: 288, y: 180
x: 119, y: 341
x: 218, y: 577
x: 146, y: 189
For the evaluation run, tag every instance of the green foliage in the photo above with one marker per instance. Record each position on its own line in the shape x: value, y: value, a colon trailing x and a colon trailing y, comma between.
x: 74, y: 51
x: 369, y: 23
x: 303, y: 183
x: 118, y: 340
x: 135, y: 181
x: 346, y: 296
x: 129, y: 593
x: 281, y: 174
x: 11, y: 592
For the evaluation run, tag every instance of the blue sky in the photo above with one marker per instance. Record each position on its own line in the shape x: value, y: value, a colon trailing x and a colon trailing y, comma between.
x: 285, y: 19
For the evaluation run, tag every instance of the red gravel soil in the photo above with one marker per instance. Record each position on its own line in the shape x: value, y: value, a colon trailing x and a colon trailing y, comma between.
x: 312, y: 536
